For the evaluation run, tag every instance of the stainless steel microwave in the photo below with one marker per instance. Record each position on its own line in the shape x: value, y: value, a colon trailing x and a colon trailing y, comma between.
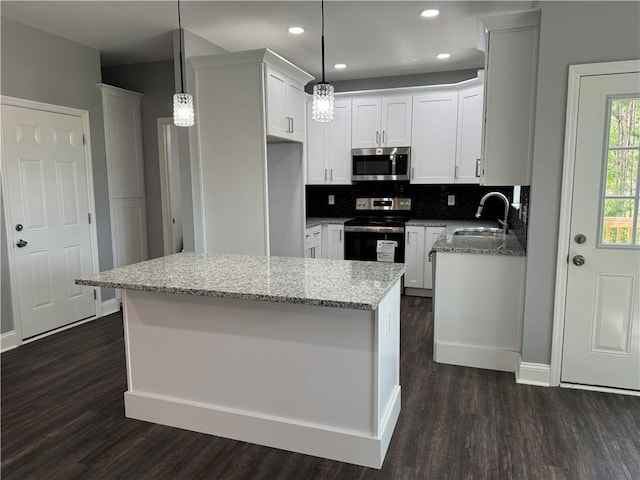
x: 380, y: 163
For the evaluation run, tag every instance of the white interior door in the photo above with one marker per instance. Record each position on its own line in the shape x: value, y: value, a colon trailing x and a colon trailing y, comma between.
x: 48, y: 214
x: 601, y: 344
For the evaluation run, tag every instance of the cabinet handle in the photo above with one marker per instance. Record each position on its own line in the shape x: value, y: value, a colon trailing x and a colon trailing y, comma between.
x: 478, y: 164
x: 457, y: 171
x: 384, y: 135
x: 291, y: 120
x: 377, y: 137
x: 340, y: 238
x: 331, y: 174
x: 408, y: 238
x: 325, y: 174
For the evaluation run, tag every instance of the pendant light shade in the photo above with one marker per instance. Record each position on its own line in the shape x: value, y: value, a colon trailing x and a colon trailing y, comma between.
x: 322, y: 106
x: 182, y: 102
x: 183, y: 110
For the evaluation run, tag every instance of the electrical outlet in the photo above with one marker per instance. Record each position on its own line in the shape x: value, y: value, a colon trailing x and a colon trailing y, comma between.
x: 451, y: 200
x: 331, y: 199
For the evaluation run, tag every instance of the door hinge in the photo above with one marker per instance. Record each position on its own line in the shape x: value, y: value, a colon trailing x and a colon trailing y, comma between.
x: 95, y: 295
x: 84, y: 139
x: 89, y: 215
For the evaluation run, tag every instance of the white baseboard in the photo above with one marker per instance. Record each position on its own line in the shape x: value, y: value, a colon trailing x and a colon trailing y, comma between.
x: 270, y: 431
x: 8, y: 341
x: 418, y: 292
x: 476, y: 356
x: 109, y: 306
x: 533, y: 374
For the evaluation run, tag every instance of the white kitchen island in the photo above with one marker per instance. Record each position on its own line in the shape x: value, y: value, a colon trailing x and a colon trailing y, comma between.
x: 293, y: 353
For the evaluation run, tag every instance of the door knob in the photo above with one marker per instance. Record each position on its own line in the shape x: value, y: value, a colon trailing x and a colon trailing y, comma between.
x: 21, y: 243
x: 578, y: 260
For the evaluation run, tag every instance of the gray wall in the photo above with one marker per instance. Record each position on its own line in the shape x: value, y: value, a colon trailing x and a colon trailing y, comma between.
x: 570, y: 33
x: 42, y: 67
x: 155, y: 81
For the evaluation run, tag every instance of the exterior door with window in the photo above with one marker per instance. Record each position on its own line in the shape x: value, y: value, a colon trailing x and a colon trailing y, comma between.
x: 601, y: 344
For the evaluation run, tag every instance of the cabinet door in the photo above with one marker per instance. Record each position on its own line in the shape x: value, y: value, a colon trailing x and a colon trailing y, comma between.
x: 130, y: 231
x: 312, y: 242
x: 335, y: 242
x: 470, y: 118
x: 295, y: 110
x: 277, y: 123
x: 338, y: 144
x: 315, y: 147
x: 414, y: 257
x: 365, y: 131
x: 433, y: 144
x: 431, y: 235
x: 396, y: 121
x: 510, y: 99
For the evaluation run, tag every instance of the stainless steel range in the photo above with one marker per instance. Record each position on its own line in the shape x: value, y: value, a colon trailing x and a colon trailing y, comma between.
x: 385, y: 220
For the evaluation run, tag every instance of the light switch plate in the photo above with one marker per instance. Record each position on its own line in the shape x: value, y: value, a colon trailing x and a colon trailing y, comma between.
x: 331, y: 199
x: 451, y: 200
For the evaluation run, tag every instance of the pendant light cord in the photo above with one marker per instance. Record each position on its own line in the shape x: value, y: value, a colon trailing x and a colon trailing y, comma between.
x: 323, y: 42
x: 180, y: 49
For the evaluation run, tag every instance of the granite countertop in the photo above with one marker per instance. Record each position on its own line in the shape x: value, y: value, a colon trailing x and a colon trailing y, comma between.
x: 449, y: 242
x: 503, y: 245
x: 307, y: 281
x: 314, y: 221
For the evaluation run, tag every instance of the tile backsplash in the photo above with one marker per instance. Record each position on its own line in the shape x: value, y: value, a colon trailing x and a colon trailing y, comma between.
x: 427, y: 201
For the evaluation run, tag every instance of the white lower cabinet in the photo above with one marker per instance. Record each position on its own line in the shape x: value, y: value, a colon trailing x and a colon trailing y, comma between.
x: 430, y: 237
x: 414, y: 257
x: 313, y: 242
x: 418, y: 244
x: 478, y: 303
x: 333, y: 241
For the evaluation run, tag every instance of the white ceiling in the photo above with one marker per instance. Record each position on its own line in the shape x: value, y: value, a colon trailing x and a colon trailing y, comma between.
x: 374, y: 38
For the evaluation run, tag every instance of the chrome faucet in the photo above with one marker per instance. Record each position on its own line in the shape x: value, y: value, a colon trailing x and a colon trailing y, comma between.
x: 505, y: 225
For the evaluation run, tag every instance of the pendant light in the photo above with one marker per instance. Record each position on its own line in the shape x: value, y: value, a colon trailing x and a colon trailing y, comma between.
x: 322, y: 106
x: 182, y: 102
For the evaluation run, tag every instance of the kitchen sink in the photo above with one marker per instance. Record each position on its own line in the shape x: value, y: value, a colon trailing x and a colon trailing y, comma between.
x: 479, y: 232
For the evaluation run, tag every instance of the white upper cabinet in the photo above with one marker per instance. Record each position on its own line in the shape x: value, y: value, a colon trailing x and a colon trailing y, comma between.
x: 433, y: 145
x: 511, y: 43
x: 285, y: 106
x: 469, y: 148
x: 381, y: 121
x: 329, y: 147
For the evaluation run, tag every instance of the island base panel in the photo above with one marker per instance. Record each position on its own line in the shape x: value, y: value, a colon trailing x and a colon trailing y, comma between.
x: 297, y: 377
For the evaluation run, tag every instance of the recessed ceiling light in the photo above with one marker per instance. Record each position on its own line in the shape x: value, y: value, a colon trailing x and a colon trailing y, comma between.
x: 296, y: 30
x: 443, y: 56
x: 340, y: 66
x: 430, y: 13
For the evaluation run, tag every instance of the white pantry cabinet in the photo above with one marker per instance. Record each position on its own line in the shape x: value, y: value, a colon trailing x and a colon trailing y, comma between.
x: 313, y: 242
x: 511, y: 45
x: 125, y: 172
x: 238, y: 163
x: 381, y: 121
x: 285, y: 106
x: 478, y: 310
x: 329, y: 147
x: 333, y: 241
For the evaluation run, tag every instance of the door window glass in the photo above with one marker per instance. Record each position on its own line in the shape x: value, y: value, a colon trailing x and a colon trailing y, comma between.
x: 620, y: 198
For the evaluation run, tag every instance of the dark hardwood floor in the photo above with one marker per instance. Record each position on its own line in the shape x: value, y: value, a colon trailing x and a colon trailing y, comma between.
x: 63, y: 418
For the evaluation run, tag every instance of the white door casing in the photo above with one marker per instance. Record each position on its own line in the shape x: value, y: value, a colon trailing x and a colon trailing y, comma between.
x: 596, y: 339
x: 49, y: 192
x: 170, y: 185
